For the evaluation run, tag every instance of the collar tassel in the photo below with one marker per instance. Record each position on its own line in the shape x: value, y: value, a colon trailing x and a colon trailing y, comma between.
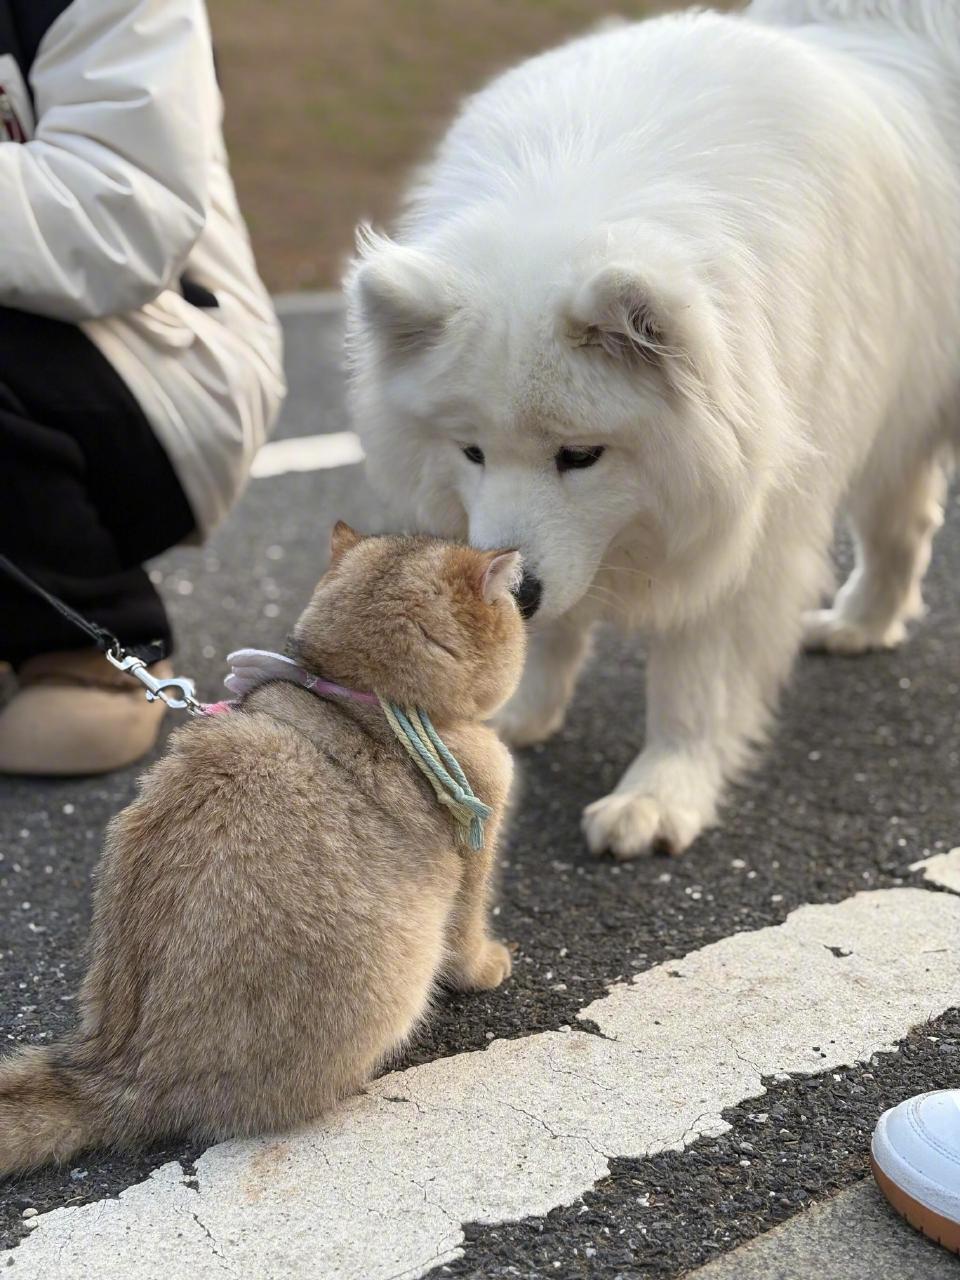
x: 437, y: 763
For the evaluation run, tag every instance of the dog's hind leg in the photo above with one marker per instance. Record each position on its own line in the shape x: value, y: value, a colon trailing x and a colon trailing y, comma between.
x: 894, y: 523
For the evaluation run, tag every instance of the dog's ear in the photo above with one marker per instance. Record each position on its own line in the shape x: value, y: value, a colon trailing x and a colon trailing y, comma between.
x: 646, y: 318
x: 402, y: 293
x: 616, y: 310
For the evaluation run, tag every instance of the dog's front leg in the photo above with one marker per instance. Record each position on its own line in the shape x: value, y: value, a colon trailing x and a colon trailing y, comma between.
x: 555, y: 654
x: 711, y: 690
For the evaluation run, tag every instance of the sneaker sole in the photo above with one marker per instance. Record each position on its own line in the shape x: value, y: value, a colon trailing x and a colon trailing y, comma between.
x: 933, y: 1225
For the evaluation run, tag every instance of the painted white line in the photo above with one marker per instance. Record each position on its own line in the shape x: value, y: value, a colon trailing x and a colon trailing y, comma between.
x: 323, y: 302
x: 307, y: 453
x: 942, y: 869
x: 380, y: 1190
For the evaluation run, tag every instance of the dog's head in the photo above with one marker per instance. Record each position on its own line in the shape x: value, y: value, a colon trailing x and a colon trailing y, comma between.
x: 580, y: 405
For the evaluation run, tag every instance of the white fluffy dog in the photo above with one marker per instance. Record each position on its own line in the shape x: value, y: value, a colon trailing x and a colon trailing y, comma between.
x: 665, y: 298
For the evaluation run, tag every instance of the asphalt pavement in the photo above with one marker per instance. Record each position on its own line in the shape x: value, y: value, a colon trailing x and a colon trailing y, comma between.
x: 859, y: 785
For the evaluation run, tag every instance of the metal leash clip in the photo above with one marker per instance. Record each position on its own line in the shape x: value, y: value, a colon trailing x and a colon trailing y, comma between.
x: 113, y: 650
x: 185, y: 687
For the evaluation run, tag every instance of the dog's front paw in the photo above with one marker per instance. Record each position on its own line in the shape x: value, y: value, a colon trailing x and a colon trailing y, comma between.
x: 828, y: 631
x: 533, y: 714
x: 521, y: 725
x: 628, y: 824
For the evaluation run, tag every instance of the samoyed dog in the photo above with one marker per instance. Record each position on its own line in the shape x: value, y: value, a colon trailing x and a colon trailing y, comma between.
x: 665, y: 300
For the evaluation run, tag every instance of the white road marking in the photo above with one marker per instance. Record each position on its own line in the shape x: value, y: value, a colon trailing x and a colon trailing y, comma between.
x: 322, y: 302
x: 307, y: 453
x: 380, y: 1191
x: 942, y: 869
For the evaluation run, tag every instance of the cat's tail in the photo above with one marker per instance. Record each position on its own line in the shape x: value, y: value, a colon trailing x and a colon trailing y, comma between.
x: 43, y: 1116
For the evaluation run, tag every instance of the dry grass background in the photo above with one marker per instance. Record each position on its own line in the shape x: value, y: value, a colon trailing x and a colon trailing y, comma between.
x: 331, y: 102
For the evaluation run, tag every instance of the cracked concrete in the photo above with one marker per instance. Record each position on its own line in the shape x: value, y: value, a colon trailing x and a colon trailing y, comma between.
x: 942, y: 869
x: 226, y: 1265
x: 855, y: 1230
x: 380, y: 1190
x: 149, y: 1230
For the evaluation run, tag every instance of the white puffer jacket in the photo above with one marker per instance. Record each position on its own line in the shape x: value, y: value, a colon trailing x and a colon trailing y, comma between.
x: 114, y: 187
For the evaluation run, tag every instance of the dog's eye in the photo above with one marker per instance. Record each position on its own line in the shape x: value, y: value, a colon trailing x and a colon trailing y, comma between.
x: 473, y: 454
x: 572, y: 459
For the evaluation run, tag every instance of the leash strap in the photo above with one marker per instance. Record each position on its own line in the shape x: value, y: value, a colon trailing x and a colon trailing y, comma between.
x: 177, y: 691
x: 105, y: 640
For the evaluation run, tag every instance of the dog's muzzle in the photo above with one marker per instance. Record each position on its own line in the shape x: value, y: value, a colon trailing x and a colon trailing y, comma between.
x: 529, y: 594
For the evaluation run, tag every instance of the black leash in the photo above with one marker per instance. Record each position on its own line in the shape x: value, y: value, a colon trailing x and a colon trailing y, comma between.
x: 105, y: 640
x: 133, y: 661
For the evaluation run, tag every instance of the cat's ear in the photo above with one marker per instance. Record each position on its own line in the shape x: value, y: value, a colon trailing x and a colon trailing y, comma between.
x: 500, y: 575
x: 341, y: 540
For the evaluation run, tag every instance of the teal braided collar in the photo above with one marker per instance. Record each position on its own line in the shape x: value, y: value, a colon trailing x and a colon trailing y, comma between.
x: 440, y: 767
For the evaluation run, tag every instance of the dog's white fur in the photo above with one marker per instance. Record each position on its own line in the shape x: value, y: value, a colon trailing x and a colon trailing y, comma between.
x: 726, y: 248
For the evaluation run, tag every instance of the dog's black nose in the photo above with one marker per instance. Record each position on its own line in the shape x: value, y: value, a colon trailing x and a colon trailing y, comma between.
x: 528, y: 594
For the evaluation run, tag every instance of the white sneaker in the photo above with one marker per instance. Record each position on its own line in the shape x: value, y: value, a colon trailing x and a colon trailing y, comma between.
x: 915, y: 1156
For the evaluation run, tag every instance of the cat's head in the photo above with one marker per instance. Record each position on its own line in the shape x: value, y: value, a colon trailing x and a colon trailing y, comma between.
x: 419, y: 621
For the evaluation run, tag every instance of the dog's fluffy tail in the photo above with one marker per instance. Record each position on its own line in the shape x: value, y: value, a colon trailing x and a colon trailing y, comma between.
x: 43, y: 1116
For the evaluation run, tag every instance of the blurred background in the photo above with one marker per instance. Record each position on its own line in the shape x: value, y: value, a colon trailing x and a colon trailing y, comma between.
x: 330, y: 104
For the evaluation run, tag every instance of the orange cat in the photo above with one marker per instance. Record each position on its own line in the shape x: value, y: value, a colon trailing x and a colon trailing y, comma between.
x: 276, y: 908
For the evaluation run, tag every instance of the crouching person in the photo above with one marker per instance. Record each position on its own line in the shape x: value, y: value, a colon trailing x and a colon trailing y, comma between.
x: 140, y: 357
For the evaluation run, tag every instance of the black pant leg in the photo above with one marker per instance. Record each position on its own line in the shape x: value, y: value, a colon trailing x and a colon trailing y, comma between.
x: 86, y: 491
x: 62, y: 380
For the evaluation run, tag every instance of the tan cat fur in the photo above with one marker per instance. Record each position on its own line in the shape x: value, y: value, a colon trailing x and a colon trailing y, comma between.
x: 275, y: 909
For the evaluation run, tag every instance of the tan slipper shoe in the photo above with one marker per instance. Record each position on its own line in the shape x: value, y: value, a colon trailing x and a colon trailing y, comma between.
x: 73, y: 714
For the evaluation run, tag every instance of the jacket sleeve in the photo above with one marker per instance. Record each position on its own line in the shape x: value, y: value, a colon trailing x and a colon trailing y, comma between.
x: 99, y: 210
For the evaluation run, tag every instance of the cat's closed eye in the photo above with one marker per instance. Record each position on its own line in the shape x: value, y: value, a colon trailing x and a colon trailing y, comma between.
x: 438, y: 644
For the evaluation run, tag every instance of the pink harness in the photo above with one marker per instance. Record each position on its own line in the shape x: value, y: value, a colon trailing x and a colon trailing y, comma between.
x: 250, y: 668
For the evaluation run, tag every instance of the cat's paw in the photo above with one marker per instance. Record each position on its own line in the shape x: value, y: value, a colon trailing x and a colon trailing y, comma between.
x: 828, y: 631
x: 628, y: 824
x: 491, y: 966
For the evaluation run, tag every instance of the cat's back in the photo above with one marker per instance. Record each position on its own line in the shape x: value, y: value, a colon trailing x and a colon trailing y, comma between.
x: 232, y: 772
x: 250, y: 805
x: 256, y: 905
